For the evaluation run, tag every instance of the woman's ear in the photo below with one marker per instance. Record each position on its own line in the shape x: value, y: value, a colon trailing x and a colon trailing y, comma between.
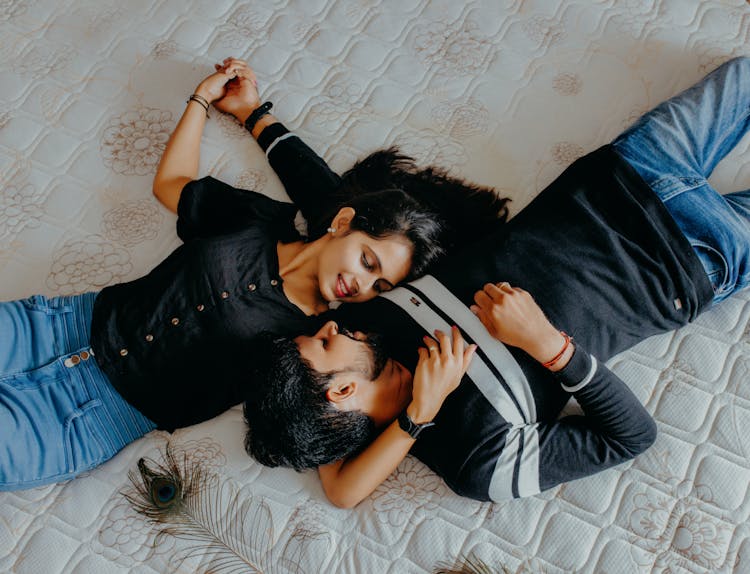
x: 342, y: 393
x: 342, y: 220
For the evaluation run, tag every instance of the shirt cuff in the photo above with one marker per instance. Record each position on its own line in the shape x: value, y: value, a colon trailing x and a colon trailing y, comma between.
x: 270, y: 134
x: 578, y: 372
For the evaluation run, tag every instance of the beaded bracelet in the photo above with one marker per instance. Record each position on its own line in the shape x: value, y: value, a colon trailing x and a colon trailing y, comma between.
x: 200, y: 99
x: 556, y: 358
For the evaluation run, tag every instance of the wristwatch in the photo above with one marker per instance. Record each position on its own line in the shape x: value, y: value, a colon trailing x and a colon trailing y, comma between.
x: 410, y: 427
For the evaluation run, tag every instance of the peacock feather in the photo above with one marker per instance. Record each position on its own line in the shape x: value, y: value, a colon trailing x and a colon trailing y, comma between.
x: 232, y: 529
x: 468, y: 565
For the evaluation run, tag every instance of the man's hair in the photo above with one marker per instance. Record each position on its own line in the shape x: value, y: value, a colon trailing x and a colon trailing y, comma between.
x: 290, y: 420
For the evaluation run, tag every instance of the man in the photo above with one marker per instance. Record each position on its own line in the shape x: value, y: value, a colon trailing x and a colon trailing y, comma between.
x: 628, y: 242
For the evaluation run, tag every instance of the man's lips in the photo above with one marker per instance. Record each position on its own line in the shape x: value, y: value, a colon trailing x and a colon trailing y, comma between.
x: 342, y: 289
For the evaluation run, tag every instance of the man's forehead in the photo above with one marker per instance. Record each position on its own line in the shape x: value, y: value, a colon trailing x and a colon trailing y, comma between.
x: 356, y: 358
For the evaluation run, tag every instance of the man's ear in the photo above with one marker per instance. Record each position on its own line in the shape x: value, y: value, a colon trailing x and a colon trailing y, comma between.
x: 341, y: 392
x: 343, y: 218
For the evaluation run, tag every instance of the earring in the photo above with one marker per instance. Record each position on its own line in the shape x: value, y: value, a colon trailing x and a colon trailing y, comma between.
x: 331, y: 230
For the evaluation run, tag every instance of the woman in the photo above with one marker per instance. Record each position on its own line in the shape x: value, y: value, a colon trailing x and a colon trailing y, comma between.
x: 90, y: 373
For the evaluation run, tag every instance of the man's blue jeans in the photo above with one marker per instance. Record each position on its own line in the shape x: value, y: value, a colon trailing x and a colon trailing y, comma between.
x: 676, y: 146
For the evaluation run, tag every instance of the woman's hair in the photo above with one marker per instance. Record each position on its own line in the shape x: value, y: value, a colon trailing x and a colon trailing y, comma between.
x: 468, y: 211
x: 436, y: 212
x: 290, y: 420
x: 390, y: 212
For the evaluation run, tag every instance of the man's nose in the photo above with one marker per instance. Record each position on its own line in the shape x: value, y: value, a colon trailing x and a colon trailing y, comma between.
x: 330, y: 329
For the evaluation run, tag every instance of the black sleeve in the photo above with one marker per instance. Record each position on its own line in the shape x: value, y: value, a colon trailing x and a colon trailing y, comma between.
x: 310, y: 183
x: 614, y: 428
x: 209, y: 207
x: 528, y: 459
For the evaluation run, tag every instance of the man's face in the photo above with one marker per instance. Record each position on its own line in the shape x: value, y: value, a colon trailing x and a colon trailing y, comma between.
x: 365, y: 378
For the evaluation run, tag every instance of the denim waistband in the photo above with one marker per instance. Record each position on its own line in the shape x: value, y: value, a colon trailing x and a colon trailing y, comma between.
x: 118, y: 421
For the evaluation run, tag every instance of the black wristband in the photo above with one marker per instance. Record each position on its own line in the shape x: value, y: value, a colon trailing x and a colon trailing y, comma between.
x: 257, y: 113
x: 410, y: 427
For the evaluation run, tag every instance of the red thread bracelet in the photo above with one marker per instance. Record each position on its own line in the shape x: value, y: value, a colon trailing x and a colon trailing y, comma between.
x: 553, y: 360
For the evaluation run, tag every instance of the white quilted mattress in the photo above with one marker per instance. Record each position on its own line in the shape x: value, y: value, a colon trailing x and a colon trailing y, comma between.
x: 504, y: 92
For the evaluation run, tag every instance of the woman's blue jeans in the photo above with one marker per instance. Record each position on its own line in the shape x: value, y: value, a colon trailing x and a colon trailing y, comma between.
x: 59, y: 415
x: 676, y: 146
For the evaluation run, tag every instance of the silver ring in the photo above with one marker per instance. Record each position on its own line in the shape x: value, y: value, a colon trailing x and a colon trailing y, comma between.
x: 432, y: 349
x: 504, y: 284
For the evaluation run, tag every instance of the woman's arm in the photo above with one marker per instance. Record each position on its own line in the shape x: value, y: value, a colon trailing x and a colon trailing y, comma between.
x: 439, y: 370
x: 179, y: 162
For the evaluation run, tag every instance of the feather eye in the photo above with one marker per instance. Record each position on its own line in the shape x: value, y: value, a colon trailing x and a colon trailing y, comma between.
x: 161, y: 491
x: 179, y: 498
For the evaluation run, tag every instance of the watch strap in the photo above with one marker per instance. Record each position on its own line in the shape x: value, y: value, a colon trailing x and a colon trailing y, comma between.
x: 256, y: 114
x: 410, y: 427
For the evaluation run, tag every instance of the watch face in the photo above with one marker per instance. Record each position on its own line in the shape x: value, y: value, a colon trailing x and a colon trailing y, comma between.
x: 410, y: 427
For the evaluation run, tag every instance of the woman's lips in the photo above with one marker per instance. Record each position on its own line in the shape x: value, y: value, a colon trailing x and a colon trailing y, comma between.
x: 342, y: 289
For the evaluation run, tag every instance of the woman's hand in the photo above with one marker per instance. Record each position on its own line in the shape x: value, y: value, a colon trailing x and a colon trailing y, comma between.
x: 241, y: 95
x: 232, y: 88
x: 214, y: 87
x: 441, y: 365
x: 511, y: 315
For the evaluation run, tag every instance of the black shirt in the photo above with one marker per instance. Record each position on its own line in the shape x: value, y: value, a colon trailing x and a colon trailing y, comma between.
x: 603, y: 258
x: 174, y: 343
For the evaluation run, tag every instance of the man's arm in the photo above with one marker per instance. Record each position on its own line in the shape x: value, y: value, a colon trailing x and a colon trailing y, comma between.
x: 614, y: 429
x: 542, y: 454
x: 439, y: 371
x: 309, y: 182
x: 527, y: 459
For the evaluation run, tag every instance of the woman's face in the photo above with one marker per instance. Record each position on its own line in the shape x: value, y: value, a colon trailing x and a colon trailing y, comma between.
x: 354, y: 267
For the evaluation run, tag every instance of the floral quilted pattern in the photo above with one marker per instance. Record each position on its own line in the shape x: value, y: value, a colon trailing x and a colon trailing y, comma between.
x: 506, y: 92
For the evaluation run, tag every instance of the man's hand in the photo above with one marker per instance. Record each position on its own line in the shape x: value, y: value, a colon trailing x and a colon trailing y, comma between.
x: 441, y: 365
x: 511, y: 315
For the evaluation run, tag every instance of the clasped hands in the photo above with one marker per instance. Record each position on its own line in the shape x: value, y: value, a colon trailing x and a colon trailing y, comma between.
x: 232, y: 89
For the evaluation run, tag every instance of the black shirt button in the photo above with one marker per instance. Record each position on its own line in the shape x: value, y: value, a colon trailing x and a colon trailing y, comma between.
x: 225, y: 294
x: 274, y: 282
x: 252, y: 287
x: 175, y: 321
x: 149, y: 337
x: 201, y: 307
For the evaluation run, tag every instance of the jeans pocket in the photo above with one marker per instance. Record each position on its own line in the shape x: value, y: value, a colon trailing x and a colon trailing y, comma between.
x: 33, y: 379
x: 36, y: 326
x: 716, y: 267
x: 83, y: 448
